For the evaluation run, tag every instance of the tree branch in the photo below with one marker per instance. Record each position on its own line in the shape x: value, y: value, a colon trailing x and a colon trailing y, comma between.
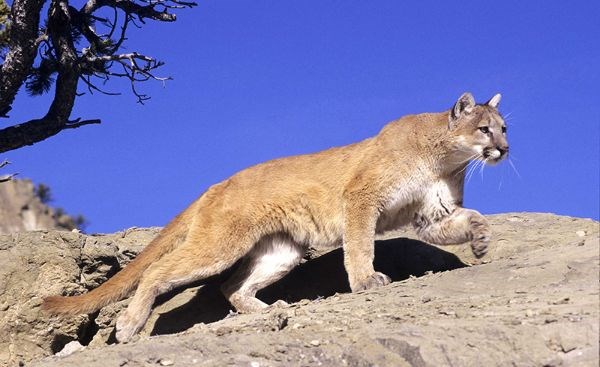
x: 141, y: 11
x: 59, y: 27
x: 4, y: 112
x: 79, y: 122
x: 57, y: 117
x: 91, y: 87
x: 6, y: 177
x: 132, y: 70
x: 63, y: 64
x: 34, y: 131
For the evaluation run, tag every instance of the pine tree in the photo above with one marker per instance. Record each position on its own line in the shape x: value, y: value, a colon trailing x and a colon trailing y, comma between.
x: 70, y: 51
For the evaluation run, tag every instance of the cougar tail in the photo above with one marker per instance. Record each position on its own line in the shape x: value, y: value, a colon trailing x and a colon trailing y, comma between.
x: 122, y: 283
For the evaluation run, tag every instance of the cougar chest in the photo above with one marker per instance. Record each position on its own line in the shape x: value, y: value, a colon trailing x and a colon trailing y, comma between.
x: 400, y: 207
x: 440, y: 199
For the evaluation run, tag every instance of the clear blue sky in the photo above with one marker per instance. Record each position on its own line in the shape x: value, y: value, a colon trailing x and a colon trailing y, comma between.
x: 255, y: 80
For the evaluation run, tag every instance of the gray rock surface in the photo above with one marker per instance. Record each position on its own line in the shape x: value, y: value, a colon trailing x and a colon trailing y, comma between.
x: 37, y: 264
x: 533, y: 301
x: 22, y: 210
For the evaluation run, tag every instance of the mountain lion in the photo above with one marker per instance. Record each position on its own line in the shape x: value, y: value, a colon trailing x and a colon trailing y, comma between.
x: 266, y: 216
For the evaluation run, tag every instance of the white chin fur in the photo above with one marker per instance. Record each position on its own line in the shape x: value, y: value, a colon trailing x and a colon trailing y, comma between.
x: 493, y: 159
x: 495, y: 154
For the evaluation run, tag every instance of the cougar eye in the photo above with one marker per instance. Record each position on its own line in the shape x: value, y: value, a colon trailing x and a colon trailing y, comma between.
x: 503, y: 129
x: 484, y: 129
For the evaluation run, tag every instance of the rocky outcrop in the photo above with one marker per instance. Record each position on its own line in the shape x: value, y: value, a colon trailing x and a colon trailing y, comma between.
x: 533, y: 301
x: 36, y: 264
x: 22, y: 210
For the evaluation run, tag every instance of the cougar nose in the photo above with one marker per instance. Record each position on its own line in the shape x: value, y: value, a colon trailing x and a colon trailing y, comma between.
x: 502, y: 149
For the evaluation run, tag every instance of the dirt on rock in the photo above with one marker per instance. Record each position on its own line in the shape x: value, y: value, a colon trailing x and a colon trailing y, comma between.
x: 534, y: 301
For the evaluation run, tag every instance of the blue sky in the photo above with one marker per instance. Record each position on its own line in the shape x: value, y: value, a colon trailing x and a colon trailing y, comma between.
x: 265, y: 79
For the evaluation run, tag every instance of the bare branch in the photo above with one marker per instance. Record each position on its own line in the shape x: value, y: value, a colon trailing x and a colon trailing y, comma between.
x: 113, y: 24
x: 141, y: 11
x: 34, y: 131
x: 177, y: 4
x: 92, y: 88
x: 130, y: 62
x: 7, y: 177
x: 122, y: 37
x: 78, y: 123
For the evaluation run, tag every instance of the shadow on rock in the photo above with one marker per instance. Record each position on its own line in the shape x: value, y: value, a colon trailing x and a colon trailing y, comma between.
x: 321, y: 277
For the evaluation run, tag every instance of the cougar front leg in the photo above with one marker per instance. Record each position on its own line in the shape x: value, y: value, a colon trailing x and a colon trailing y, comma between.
x: 461, y: 226
x: 359, y: 247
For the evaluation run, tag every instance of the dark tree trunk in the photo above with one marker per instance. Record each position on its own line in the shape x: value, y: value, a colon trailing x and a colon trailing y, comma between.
x: 22, y: 49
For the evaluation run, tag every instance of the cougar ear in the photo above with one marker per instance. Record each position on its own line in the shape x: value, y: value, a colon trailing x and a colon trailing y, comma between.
x: 464, y: 105
x: 494, y: 101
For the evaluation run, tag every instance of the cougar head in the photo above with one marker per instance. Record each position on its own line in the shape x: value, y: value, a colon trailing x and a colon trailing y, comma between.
x: 478, y: 130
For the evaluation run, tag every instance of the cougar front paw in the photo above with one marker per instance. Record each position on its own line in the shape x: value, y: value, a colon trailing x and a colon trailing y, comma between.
x: 376, y: 279
x: 481, y: 236
x: 480, y: 247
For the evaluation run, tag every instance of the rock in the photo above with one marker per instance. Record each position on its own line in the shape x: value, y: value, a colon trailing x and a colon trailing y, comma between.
x: 535, y: 302
x: 70, y: 348
x: 37, y: 264
x: 22, y: 210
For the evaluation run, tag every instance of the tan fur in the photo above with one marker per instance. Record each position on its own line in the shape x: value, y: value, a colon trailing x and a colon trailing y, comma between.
x: 412, y: 172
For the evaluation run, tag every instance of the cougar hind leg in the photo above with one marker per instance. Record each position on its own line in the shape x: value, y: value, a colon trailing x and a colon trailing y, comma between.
x: 189, y: 262
x: 270, y: 260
